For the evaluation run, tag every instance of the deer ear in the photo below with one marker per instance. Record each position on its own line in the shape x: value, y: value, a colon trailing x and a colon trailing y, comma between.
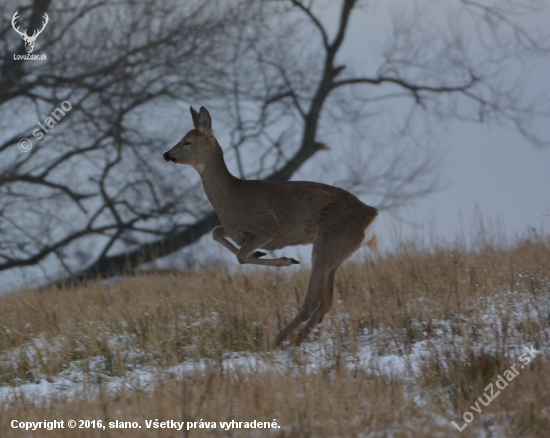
x: 195, y: 116
x: 204, y: 121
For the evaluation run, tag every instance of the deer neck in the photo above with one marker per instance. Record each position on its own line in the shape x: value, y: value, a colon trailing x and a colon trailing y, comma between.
x: 217, y: 181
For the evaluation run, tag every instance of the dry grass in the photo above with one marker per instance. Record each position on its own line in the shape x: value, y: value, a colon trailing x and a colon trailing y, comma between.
x: 453, y: 318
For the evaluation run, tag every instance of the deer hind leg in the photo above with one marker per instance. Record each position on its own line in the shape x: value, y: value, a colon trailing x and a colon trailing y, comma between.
x: 317, y: 282
x: 247, y: 253
x: 322, y: 309
x: 329, y: 252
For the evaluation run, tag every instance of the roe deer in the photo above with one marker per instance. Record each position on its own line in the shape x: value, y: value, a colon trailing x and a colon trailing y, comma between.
x: 272, y: 215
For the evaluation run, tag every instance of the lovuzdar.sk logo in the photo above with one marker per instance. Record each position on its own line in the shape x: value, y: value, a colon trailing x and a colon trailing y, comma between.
x: 29, y: 40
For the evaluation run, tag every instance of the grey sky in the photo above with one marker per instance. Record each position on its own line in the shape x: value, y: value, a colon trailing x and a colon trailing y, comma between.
x: 492, y: 167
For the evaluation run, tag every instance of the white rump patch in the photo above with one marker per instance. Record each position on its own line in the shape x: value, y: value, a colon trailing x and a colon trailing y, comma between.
x: 369, y: 232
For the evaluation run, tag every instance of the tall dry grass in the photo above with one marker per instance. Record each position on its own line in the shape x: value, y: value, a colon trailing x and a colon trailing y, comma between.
x: 454, y: 318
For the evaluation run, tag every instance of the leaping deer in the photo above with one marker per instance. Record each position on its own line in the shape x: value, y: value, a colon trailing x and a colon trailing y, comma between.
x: 272, y: 215
x: 29, y: 40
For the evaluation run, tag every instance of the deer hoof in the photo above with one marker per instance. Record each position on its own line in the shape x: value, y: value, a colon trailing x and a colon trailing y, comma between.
x: 295, y: 262
x: 259, y: 254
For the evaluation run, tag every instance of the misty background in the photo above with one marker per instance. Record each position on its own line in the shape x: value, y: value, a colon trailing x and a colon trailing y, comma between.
x: 434, y: 111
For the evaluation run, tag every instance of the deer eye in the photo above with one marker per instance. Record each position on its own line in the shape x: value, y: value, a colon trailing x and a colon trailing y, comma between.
x: 187, y: 143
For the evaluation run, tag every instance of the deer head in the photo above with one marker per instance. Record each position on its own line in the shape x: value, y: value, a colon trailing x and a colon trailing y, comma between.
x: 198, y: 147
x: 29, y: 40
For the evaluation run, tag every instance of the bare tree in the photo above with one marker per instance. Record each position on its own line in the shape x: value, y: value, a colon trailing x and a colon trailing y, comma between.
x: 92, y: 181
x: 94, y: 196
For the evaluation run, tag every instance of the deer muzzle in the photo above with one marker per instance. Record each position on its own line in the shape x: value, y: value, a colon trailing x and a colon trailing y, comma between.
x: 167, y: 157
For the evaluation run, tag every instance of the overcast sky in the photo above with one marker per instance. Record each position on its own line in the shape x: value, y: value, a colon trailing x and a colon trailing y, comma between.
x: 492, y: 167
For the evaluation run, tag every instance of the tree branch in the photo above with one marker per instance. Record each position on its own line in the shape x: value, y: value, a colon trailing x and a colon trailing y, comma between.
x: 411, y: 87
x: 314, y: 19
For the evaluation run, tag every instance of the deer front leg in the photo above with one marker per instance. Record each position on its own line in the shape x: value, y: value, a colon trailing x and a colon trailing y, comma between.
x: 219, y: 235
x: 247, y: 253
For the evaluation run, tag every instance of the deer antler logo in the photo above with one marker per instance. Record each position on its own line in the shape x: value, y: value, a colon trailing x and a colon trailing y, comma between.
x: 29, y: 40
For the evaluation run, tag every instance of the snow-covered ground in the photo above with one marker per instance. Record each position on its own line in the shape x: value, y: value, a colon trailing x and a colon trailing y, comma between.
x: 314, y: 356
x: 494, y: 325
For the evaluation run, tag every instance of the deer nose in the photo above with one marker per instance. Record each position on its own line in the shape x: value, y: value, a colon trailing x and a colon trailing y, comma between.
x: 167, y: 157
